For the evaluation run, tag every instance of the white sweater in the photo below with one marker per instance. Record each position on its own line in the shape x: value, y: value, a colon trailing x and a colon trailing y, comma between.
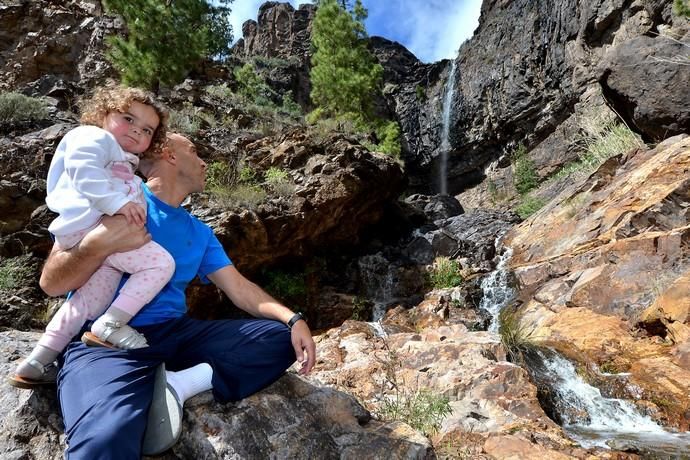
x: 90, y: 175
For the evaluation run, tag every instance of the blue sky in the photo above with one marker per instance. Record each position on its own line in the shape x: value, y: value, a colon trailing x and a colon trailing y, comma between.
x: 431, y: 29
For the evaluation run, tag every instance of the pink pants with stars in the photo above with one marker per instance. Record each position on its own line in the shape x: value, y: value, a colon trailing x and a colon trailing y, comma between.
x: 150, y: 268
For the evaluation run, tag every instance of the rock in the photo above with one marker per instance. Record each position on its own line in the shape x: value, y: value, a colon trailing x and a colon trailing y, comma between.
x: 436, y: 207
x: 588, y: 277
x: 327, y: 423
x: 646, y: 79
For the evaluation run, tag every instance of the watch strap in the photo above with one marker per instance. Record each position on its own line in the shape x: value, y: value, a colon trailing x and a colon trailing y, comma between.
x: 296, y: 317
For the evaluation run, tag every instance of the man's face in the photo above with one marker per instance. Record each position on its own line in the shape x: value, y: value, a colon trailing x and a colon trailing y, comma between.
x: 190, y: 167
x: 134, y: 128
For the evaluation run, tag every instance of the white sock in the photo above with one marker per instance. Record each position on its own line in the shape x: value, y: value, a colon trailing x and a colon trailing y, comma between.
x: 192, y: 381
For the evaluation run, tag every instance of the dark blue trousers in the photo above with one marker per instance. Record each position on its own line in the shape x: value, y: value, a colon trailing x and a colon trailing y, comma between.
x: 105, y: 393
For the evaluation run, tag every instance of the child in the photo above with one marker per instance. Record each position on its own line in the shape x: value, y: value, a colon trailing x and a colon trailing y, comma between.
x: 92, y: 174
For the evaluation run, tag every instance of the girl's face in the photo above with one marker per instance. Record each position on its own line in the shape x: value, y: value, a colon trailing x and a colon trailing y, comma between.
x: 134, y: 128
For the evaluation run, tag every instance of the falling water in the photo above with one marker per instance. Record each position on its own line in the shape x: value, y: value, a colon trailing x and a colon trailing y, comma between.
x: 593, y: 420
x: 588, y: 417
x: 496, y: 289
x: 445, y: 131
x: 378, y: 280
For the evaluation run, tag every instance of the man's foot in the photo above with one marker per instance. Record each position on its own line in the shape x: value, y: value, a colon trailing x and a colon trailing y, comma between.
x: 114, y: 334
x: 164, y: 424
x: 31, y: 374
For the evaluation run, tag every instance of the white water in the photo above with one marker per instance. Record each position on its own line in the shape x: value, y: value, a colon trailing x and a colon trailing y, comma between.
x: 589, y: 418
x: 445, y: 131
x: 379, y: 283
x: 496, y: 291
x: 604, y: 419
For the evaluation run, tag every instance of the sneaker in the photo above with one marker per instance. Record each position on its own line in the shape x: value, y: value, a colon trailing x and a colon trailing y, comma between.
x: 164, y: 424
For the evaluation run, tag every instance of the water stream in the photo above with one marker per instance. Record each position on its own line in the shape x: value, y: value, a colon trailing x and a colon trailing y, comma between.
x: 586, y: 415
x: 445, y: 129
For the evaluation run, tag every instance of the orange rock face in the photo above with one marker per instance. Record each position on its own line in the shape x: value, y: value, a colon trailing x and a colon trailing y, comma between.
x: 608, y: 276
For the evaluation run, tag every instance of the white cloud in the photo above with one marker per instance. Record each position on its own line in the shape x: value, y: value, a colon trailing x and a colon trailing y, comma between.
x: 432, y: 30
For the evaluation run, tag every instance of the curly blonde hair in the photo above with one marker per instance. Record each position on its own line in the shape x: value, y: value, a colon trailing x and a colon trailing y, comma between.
x: 117, y: 98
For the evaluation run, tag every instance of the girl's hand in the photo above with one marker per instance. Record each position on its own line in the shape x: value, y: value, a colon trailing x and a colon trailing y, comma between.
x: 134, y: 214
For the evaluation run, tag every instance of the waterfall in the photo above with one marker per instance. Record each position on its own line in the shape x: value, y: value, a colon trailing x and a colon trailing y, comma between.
x: 496, y: 289
x: 593, y: 420
x: 445, y: 131
x: 378, y: 280
x: 586, y: 416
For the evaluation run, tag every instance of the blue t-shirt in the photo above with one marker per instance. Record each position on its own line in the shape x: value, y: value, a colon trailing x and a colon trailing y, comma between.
x: 194, y: 247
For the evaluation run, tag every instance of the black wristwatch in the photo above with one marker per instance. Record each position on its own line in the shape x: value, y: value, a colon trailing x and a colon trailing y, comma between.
x: 296, y: 317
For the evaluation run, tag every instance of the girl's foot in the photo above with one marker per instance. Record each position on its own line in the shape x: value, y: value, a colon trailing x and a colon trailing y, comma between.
x: 116, y: 333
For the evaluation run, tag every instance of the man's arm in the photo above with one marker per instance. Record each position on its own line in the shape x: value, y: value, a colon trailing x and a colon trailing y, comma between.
x: 69, y: 269
x: 255, y: 301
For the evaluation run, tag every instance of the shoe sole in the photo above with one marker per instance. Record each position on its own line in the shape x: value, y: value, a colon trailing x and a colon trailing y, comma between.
x: 164, y: 424
x: 92, y: 340
x: 27, y: 384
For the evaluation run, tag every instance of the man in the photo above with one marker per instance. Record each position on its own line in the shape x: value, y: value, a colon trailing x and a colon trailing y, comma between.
x: 104, y: 393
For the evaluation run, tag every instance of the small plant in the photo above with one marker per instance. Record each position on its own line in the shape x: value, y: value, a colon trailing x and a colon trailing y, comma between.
x: 514, y: 336
x: 388, y: 134
x: 246, y: 195
x: 445, y: 273
x: 286, y: 286
x: 525, y: 176
x: 419, y: 407
x: 681, y: 8
x: 185, y: 120
x: 291, y: 107
x: 279, y: 181
x: 529, y: 205
x: 248, y: 175
x: 16, y: 108
x: 218, y: 175
x: 360, y: 309
x: 421, y: 93
x: 14, y: 273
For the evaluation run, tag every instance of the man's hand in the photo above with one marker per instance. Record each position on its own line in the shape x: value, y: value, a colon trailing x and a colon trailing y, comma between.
x: 134, y: 213
x: 304, y: 345
x: 69, y: 269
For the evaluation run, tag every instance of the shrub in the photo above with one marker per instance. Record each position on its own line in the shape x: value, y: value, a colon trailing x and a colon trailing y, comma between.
x: 286, y: 286
x: 421, y: 93
x: 525, y: 176
x: 246, y: 195
x: 252, y: 86
x: 514, y: 336
x: 418, y: 407
x: 16, y: 107
x: 529, y: 205
x: 445, y: 273
x: 291, y: 107
x: 218, y: 175
x: 681, y: 8
x: 185, y: 120
x: 388, y: 134
x: 279, y: 181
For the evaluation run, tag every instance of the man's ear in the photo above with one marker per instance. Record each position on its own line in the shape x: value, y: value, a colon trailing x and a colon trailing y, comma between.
x: 169, y: 155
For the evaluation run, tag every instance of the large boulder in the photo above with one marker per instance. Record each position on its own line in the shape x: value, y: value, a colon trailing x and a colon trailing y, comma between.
x: 647, y: 79
x: 603, y: 268
x: 327, y: 423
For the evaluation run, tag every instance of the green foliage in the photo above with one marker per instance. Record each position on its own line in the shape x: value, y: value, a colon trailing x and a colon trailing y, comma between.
x: 186, y: 120
x: 529, y: 205
x: 524, y: 175
x: 252, y: 86
x: 514, y: 336
x: 166, y: 39
x: 15, y: 272
x: 218, y: 176
x: 418, y: 407
x: 445, y: 273
x: 248, y: 175
x: 344, y: 75
x: 421, y: 93
x: 291, y: 107
x: 681, y: 8
x: 388, y: 134
x: 279, y: 181
x: 286, y: 286
x: 16, y: 107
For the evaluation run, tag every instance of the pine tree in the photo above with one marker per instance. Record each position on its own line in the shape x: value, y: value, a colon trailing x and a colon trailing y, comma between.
x: 344, y: 75
x: 166, y: 38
